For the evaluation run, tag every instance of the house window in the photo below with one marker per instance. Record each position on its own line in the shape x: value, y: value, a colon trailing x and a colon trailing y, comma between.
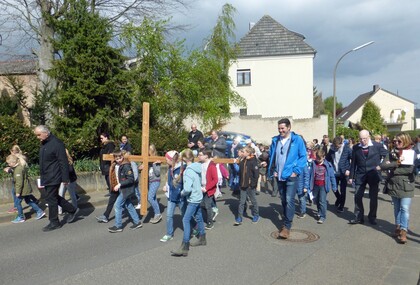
x: 243, y: 77
x: 243, y: 112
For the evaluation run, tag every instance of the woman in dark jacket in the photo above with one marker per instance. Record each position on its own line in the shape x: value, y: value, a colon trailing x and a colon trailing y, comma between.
x: 400, y: 182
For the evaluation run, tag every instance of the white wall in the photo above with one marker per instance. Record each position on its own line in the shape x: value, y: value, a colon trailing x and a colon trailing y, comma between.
x: 280, y: 86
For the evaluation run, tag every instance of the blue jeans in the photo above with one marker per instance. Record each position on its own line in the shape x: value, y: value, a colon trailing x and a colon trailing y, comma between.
x: 71, y: 187
x: 193, y: 210
x: 287, y: 191
x: 248, y: 192
x: 302, y: 202
x: 170, y: 215
x: 126, y: 203
x: 402, y: 212
x: 151, y: 196
x: 15, y: 200
x: 320, y: 199
x: 30, y: 200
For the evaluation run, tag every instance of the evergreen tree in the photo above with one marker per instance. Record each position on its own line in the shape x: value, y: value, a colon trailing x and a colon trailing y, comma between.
x: 371, y: 118
x: 93, y: 94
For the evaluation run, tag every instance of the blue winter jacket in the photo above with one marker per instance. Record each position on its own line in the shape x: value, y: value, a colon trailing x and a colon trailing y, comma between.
x: 175, y: 183
x: 303, y: 181
x: 192, y: 183
x: 330, y: 182
x: 296, y: 156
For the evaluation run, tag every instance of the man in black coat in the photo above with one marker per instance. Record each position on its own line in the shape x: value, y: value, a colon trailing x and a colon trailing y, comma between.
x: 193, y: 137
x: 54, y: 170
x: 364, y: 169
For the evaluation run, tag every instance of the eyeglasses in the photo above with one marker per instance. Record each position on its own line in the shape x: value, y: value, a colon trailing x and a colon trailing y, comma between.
x: 398, y: 141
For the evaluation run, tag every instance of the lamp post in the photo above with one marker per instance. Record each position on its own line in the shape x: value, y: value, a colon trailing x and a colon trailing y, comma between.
x: 335, y: 71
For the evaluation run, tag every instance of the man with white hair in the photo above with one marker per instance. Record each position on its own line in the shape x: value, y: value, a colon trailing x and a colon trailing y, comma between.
x: 54, y: 170
x: 364, y: 169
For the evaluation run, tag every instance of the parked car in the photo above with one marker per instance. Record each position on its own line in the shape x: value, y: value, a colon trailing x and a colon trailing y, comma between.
x: 230, y: 137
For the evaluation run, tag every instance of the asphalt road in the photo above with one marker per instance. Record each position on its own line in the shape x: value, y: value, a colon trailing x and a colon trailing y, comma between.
x: 85, y: 253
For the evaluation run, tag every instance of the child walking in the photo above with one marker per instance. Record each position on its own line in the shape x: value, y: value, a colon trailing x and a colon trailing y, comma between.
x: 322, y: 180
x: 173, y: 191
x: 22, y: 187
x: 248, y: 177
x: 193, y: 194
x: 122, y: 181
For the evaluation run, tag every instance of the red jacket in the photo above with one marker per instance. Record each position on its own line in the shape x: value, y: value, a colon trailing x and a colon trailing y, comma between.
x: 211, y: 179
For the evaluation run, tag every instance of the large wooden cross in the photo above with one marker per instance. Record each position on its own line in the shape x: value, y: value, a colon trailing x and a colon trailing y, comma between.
x: 145, y: 158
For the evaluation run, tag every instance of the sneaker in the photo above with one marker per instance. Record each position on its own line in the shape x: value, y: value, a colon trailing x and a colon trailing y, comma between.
x: 136, y: 226
x: 18, y: 219
x: 238, y: 221
x: 102, y: 219
x: 195, y: 232
x: 115, y: 229
x: 166, y: 238
x: 340, y: 210
x: 51, y: 227
x: 12, y: 210
x: 40, y: 215
x: 215, y: 213
x: 137, y: 207
x: 156, y: 219
x: 209, y: 226
x: 321, y: 221
x: 73, y: 216
x: 301, y: 216
x: 255, y: 219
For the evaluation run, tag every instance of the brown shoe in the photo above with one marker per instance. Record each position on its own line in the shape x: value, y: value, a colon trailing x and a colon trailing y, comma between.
x: 397, y: 232
x: 284, y: 233
x: 403, y: 236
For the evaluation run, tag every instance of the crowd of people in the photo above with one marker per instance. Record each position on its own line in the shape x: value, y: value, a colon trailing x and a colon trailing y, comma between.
x: 298, y: 170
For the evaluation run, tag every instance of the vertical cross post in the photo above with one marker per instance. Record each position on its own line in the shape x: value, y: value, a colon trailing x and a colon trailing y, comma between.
x: 144, y: 185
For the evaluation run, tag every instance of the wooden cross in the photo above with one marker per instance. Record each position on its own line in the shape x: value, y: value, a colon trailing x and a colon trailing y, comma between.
x: 145, y: 158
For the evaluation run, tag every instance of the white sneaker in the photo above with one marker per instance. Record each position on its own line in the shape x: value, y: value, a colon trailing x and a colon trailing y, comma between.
x: 137, y: 207
x: 166, y: 238
x: 215, y: 213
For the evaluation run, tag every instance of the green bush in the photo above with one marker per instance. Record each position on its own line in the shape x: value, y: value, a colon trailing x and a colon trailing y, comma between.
x: 13, y: 131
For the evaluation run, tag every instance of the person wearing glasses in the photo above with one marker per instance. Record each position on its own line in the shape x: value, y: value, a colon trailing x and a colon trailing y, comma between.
x: 399, y: 165
x: 364, y: 170
x: 287, y: 159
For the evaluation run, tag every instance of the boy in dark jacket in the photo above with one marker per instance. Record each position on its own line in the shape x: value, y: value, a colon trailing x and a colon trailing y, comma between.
x: 122, y: 181
x: 248, y: 177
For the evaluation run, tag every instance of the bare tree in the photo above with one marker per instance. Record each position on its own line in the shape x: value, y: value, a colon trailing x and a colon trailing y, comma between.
x: 31, y: 22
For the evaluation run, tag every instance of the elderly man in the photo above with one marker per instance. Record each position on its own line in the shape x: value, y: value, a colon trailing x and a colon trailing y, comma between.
x: 193, y: 137
x: 364, y: 169
x: 217, y: 144
x: 54, y: 170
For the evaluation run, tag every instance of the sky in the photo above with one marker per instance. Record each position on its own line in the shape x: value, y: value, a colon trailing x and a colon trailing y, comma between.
x: 333, y: 27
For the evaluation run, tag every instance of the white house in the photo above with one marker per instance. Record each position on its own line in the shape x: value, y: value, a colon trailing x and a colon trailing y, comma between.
x: 397, y: 112
x: 274, y: 72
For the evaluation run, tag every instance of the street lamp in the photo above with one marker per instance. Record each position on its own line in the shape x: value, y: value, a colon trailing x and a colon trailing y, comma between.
x: 335, y: 70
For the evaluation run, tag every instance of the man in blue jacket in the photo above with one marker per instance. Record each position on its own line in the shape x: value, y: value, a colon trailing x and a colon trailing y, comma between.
x: 287, y: 159
x: 54, y: 170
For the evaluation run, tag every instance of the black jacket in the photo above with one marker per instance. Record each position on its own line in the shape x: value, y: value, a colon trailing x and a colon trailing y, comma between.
x: 126, y: 179
x: 343, y: 163
x: 195, y: 137
x: 248, y: 173
x: 107, y: 148
x: 53, y: 163
x: 364, y: 167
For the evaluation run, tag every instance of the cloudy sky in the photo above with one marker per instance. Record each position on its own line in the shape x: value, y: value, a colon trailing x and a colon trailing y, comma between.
x: 333, y: 27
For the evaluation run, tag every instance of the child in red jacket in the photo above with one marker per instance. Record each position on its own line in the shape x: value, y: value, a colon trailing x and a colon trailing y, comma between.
x: 209, y: 182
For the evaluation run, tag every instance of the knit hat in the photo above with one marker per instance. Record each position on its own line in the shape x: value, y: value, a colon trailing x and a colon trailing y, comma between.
x: 170, y: 154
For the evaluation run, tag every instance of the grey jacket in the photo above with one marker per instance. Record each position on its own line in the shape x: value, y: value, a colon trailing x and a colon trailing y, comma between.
x: 400, y: 178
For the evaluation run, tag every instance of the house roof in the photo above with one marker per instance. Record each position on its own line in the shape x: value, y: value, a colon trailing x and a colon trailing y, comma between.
x: 18, y: 67
x: 268, y: 38
x: 361, y: 100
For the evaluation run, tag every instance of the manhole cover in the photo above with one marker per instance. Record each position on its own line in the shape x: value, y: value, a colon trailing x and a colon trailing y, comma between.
x: 297, y: 236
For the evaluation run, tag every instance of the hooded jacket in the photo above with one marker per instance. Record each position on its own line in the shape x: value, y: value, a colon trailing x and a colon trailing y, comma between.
x: 248, y: 173
x: 192, y: 183
x: 295, y: 156
x: 20, y: 178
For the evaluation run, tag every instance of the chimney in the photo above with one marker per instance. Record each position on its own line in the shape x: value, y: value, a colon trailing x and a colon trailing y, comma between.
x: 376, y: 88
x: 251, y: 25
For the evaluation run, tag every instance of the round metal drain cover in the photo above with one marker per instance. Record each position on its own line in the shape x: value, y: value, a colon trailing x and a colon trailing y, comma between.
x: 297, y: 236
